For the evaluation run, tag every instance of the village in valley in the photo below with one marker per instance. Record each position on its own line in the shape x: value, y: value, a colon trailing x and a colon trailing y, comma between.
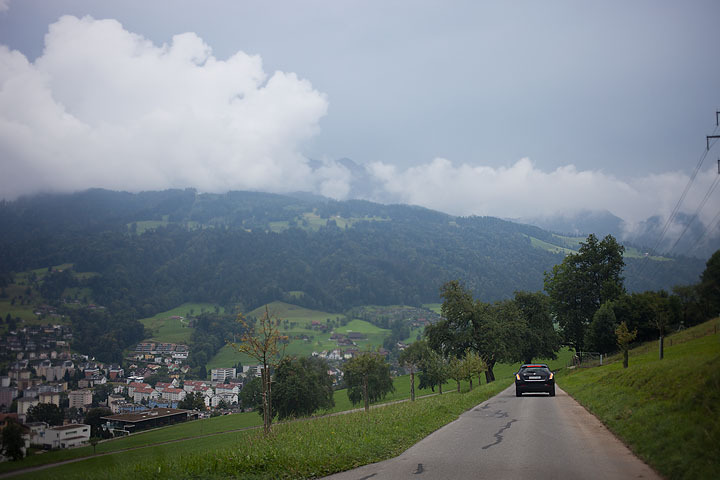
x: 64, y: 398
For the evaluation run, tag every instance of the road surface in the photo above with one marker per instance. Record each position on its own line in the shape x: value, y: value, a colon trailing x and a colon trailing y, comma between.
x: 534, y: 436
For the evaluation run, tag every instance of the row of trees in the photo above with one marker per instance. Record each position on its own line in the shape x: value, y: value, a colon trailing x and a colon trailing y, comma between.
x: 518, y: 329
x: 586, y: 308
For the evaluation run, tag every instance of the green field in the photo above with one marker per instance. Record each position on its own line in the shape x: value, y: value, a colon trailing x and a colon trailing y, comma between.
x: 296, y: 322
x: 164, y: 328
x: 537, y: 243
x: 667, y: 411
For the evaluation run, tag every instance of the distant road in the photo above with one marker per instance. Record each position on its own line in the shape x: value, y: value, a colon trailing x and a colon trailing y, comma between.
x: 534, y: 436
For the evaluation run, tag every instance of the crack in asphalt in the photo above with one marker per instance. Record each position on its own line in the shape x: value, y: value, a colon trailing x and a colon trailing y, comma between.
x: 498, y: 436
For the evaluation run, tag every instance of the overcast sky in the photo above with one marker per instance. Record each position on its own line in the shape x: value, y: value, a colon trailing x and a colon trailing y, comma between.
x: 510, y: 109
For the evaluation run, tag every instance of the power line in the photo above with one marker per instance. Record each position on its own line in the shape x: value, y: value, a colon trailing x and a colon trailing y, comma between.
x: 679, y: 203
x: 710, y: 191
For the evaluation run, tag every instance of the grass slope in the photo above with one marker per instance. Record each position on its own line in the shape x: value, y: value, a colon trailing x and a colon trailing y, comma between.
x: 165, y: 328
x: 296, y: 322
x: 302, y: 449
x: 667, y: 411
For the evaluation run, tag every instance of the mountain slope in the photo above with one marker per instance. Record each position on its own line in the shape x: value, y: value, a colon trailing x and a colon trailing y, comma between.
x: 155, y: 250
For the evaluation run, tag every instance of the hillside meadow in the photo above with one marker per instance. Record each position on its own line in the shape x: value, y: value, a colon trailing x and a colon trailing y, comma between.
x: 667, y: 411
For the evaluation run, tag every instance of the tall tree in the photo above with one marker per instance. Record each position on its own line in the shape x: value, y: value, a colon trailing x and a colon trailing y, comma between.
x: 499, y: 331
x: 581, y: 283
x: 368, y: 378
x: 495, y: 332
x: 302, y: 386
x: 540, y: 340
x: 261, y: 341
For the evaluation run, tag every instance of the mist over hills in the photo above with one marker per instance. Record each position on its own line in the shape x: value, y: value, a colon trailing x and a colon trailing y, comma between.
x: 151, y: 251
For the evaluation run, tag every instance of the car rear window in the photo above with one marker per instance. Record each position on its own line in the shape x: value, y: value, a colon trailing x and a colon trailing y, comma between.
x: 535, y: 370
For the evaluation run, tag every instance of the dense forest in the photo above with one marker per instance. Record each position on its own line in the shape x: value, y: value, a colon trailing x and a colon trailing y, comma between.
x: 152, y: 251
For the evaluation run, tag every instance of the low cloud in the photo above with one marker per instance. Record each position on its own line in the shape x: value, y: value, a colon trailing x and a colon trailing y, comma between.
x: 104, y: 107
x: 4, y: 5
x: 523, y: 190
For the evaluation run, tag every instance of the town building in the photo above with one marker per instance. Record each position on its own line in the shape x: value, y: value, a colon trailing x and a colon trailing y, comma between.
x: 222, y: 374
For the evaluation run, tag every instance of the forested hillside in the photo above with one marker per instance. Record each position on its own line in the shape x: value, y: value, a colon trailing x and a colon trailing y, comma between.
x: 152, y: 251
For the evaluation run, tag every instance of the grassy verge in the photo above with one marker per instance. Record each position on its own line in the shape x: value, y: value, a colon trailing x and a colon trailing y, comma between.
x: 667, y: 411
x: 302, y: 449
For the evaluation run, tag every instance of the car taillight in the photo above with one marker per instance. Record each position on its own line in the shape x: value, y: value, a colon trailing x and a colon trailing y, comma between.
x: 517, y: 375
x: 552, y: 375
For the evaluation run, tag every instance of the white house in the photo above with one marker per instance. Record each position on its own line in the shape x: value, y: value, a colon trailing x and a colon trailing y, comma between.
x: 174, y: 394
x: 66, y: 436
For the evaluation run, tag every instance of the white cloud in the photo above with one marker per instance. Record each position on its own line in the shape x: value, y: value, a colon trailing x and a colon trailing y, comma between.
x: 4, y: 5
x: 523, y: 190
x: 103, y: 107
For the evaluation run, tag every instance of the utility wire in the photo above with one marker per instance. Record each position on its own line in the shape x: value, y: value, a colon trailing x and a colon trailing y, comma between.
x: 710, y: 191
x: 675, y: 211
x: 712, y: 226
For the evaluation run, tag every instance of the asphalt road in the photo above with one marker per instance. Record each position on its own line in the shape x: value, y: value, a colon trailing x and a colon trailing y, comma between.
x: 534, y: 436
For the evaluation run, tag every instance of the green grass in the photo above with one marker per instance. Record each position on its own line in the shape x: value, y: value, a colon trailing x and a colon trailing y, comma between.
x: 296, y: 322
x: 537, y: 243
x: 163, y: 328
x: 302, y: 449
x: 667, y: 411
x: 189, y: 430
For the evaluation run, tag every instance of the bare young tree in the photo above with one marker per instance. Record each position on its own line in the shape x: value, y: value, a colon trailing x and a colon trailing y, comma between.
x: 262, y: 341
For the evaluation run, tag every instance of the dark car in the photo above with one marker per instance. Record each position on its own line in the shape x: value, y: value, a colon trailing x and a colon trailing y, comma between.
x: 534, y: 377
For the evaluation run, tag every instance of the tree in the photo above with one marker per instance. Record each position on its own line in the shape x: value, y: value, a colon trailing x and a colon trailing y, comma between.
x: 192, y: 401
x: 665, y: 312
x: 261, y: 341
x: 12, y: 441
x: 94, y: 441
x: 710, y: 285
x: 302, y: 386
x: 45, y: 412
x: 251, y: 394
x: 495, y: 332
x: 581, y: 283
x: 93, y: 418
x: 474, y: 366
x: 624, y: 337
x: 540, y: 340
x: 600, y: 335
x: 412, y: 358
x: 498, y: 332
x: 434, y: 371
x: 368, y: 378
x: 456, y: 371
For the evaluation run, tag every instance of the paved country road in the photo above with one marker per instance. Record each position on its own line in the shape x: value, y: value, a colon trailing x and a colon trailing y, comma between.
x: 534, y: 436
